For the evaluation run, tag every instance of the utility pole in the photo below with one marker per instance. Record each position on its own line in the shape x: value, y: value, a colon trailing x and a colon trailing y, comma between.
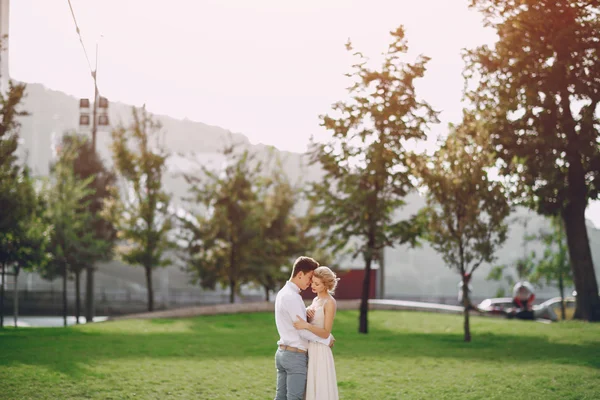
x: 84, y: 120
x: 89, y: 283
x: 95, y: 111
x: 89, y: 272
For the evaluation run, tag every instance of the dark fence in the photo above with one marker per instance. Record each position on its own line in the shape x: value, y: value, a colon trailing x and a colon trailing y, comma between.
x: 114, y: 302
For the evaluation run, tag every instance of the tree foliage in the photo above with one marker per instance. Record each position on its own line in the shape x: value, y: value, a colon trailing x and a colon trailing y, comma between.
x: 365, y: 162
x: 141, y: 213
x: 23, y: 234
x: 222, y: 232
x: 465, y: 210
x: 24, y: 246
x: 72, y: 241
x: 283, y: 235
x: 11, y: 172
x: 87, y: 165
x: 537, y: 89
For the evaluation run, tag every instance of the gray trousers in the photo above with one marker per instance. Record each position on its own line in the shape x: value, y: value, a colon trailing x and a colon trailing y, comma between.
x: 291, y: 374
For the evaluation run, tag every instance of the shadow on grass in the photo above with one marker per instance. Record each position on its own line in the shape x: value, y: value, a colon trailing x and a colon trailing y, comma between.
x: 501, y: 348
x: 204, y: 339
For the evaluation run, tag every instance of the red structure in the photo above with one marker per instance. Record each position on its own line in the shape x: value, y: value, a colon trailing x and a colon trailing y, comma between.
x: 350, y: 285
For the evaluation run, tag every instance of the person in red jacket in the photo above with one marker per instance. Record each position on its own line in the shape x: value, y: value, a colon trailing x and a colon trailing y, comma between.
x: 523, y: 296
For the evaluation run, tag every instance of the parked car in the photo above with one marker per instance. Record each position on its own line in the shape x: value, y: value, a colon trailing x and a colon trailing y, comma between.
x: 550, y: 309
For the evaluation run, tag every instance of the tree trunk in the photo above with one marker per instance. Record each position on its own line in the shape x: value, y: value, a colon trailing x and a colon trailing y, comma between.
x: 364, y: 301
x: 573, y: 214
x: 2, y: 295
x: 561, y: 288
x: 562, y: 248
x: 267, y: 296
x: 64, y: 294
x: 467, y: 308
x: 150, y: 291
x: 89, y: 294
x: 232, y: 284
x: 584, y: 277
x: 232, y: 267
x: 77, y: 296
x: 467, y: 326
x: 16, y: 297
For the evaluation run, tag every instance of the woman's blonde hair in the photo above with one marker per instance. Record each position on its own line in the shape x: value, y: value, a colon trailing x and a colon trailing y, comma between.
x: 328, y: 277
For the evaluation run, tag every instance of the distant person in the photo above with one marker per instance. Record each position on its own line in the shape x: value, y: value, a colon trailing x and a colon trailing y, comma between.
x: 321, y: 383
x: 523, y: 296
x: 291, y: 358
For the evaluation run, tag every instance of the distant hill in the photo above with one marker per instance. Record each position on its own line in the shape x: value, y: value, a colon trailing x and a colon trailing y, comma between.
x: 409, y: 272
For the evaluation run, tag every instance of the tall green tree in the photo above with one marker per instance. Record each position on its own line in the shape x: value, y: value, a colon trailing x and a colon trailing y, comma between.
x: 87, y: 164
x: 142, y: 213
x: 223, y: 230
x: 10, y: 170
x: 25, y: 246
x: 12, y: 180
x: 365, y: 163
x: 72, y: 241
x: 538, y: 90
x: 465, y: 210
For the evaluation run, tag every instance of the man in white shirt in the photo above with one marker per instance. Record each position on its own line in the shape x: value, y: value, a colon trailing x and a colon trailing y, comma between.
x: 291, y: 358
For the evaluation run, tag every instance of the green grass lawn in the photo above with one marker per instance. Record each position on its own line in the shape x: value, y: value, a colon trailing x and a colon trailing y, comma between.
x: 405, y: 356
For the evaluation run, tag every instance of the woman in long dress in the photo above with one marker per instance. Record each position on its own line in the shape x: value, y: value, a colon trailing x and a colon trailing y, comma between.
x: 321, y: 381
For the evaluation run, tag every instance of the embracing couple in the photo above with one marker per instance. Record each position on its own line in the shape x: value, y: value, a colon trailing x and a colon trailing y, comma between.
x: 304, y: 361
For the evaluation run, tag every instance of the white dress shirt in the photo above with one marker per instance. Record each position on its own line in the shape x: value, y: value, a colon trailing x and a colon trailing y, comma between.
x: 288, y: 304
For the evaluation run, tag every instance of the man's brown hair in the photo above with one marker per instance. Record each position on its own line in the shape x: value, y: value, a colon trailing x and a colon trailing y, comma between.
x: 304, y: 264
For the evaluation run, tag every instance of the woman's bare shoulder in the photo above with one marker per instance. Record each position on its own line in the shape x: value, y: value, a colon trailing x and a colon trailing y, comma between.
x: 331, y: 303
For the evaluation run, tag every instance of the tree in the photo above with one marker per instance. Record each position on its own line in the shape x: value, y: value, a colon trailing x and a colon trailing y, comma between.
x: 554, y: 267
x: 465, y: 209
x: 538, y: 91
x: 222, y: 235
x: 12, y: 180
x: 25, y: 246
x: 365, y: 162
x: 10, y: 170
x: 88, y: 165
x: 282, y: 235
x: 142, y: 215
x: 72, y: 241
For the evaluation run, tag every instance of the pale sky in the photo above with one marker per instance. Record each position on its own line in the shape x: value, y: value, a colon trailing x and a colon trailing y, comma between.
x: 263, y: 68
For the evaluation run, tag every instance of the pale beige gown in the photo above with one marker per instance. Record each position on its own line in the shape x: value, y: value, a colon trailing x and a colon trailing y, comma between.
x: 321, y: 380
